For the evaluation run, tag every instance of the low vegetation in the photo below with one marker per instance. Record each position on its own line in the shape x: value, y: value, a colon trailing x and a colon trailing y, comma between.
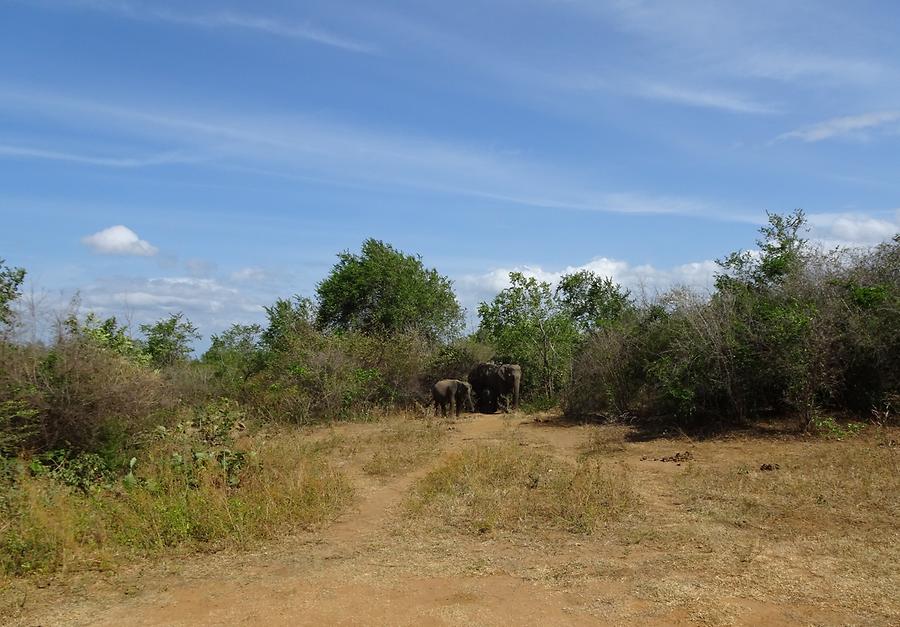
x: 403, y: 445
x: 198, y: 485
x: 495, y: 488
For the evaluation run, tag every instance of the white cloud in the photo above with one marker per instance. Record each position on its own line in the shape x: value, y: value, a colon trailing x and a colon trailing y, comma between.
x: 119, y: 240
x: 210, y: 303
x: 851, y: 229
x: 646, y: 279
x: 843, y: 126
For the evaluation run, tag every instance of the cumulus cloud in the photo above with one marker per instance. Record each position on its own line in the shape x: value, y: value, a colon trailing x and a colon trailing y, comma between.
x: 475, y: 288
x: 212, y: 304
x: 852, y: 229
x: 119, y: 240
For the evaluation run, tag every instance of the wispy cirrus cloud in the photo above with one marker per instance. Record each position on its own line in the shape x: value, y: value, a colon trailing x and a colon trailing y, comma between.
x: 703, y: 97
x: 27, y: 152
x: 740, y: 41
x: 793, y: 65
x: 224, y: 19
x: 352, y: 155
x: 851, y: 125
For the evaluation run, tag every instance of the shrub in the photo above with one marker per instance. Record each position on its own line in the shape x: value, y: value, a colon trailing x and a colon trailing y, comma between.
x: 78, y: 395
x: 790, y: 330
x: 192, y: 486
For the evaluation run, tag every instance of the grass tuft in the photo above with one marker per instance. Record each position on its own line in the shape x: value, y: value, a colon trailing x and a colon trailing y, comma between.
x: 504, y: 487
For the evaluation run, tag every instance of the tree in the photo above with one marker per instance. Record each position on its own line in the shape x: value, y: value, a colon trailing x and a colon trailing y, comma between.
x: 781, y: 253
x: 771, y: 346
x: 10, y: 282
x: 169, y: 340
x: 383, y: 291
x: 289, y: 318
x: 529, y: 326
x: 592, y: 301
x: 236, y: 353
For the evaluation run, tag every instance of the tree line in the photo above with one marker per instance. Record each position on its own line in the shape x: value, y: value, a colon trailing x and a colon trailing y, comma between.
x: 789, y: 329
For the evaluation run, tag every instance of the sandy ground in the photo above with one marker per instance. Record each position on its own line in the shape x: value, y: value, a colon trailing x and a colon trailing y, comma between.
x: 372, y: 568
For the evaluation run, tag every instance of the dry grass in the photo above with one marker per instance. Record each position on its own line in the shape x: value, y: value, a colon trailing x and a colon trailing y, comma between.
x: 403, y: 445
x: 285, y: 484
x: 847, y: 487
x: 820, y: 530
x: 606, y: 440
x: 504, y: 487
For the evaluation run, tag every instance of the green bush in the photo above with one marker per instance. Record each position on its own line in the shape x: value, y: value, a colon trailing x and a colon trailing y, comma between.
x: 790, y: 330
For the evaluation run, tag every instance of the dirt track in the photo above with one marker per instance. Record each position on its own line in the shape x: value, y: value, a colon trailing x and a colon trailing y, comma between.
x: 371, y: 568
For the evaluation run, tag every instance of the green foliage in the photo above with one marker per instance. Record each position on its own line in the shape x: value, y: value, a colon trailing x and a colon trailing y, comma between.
x: 790, y: 329
x: 169, y: 340
x: 383, y: 291
x: 19, y: 422
x: 529, y: 326
x: 456, y: 360
x: 108, y: 335
x: 10, y: 282
x: 82, y: 471
x: 781, y: 253
x: 235, y: 354
x: 289, y: 320
x: 592, y: 301
x: 68, y: 511
x: 828, y: 427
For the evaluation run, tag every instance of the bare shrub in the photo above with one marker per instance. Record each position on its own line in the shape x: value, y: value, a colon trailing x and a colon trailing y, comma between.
x: 81, y: 396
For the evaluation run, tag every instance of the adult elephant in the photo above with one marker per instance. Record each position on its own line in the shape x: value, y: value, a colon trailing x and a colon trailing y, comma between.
x: 495, y: 382
x: 452, y: 394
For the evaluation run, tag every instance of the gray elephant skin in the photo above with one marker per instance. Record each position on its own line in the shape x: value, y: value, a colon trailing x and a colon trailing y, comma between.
x: 494, y: 384
x: 452, y: 394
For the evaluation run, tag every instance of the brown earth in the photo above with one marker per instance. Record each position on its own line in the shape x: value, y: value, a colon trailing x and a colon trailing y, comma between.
x: 673, y: 562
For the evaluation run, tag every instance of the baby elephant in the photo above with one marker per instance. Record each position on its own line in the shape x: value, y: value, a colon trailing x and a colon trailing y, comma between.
x: 452, y: 393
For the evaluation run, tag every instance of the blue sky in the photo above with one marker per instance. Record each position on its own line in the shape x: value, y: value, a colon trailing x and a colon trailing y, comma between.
x: 241, y: 145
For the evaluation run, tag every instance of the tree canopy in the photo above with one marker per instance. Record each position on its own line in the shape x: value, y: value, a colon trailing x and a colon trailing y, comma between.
x: 382, y: 291
x: 169, y: 340
x: 10, y: 281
